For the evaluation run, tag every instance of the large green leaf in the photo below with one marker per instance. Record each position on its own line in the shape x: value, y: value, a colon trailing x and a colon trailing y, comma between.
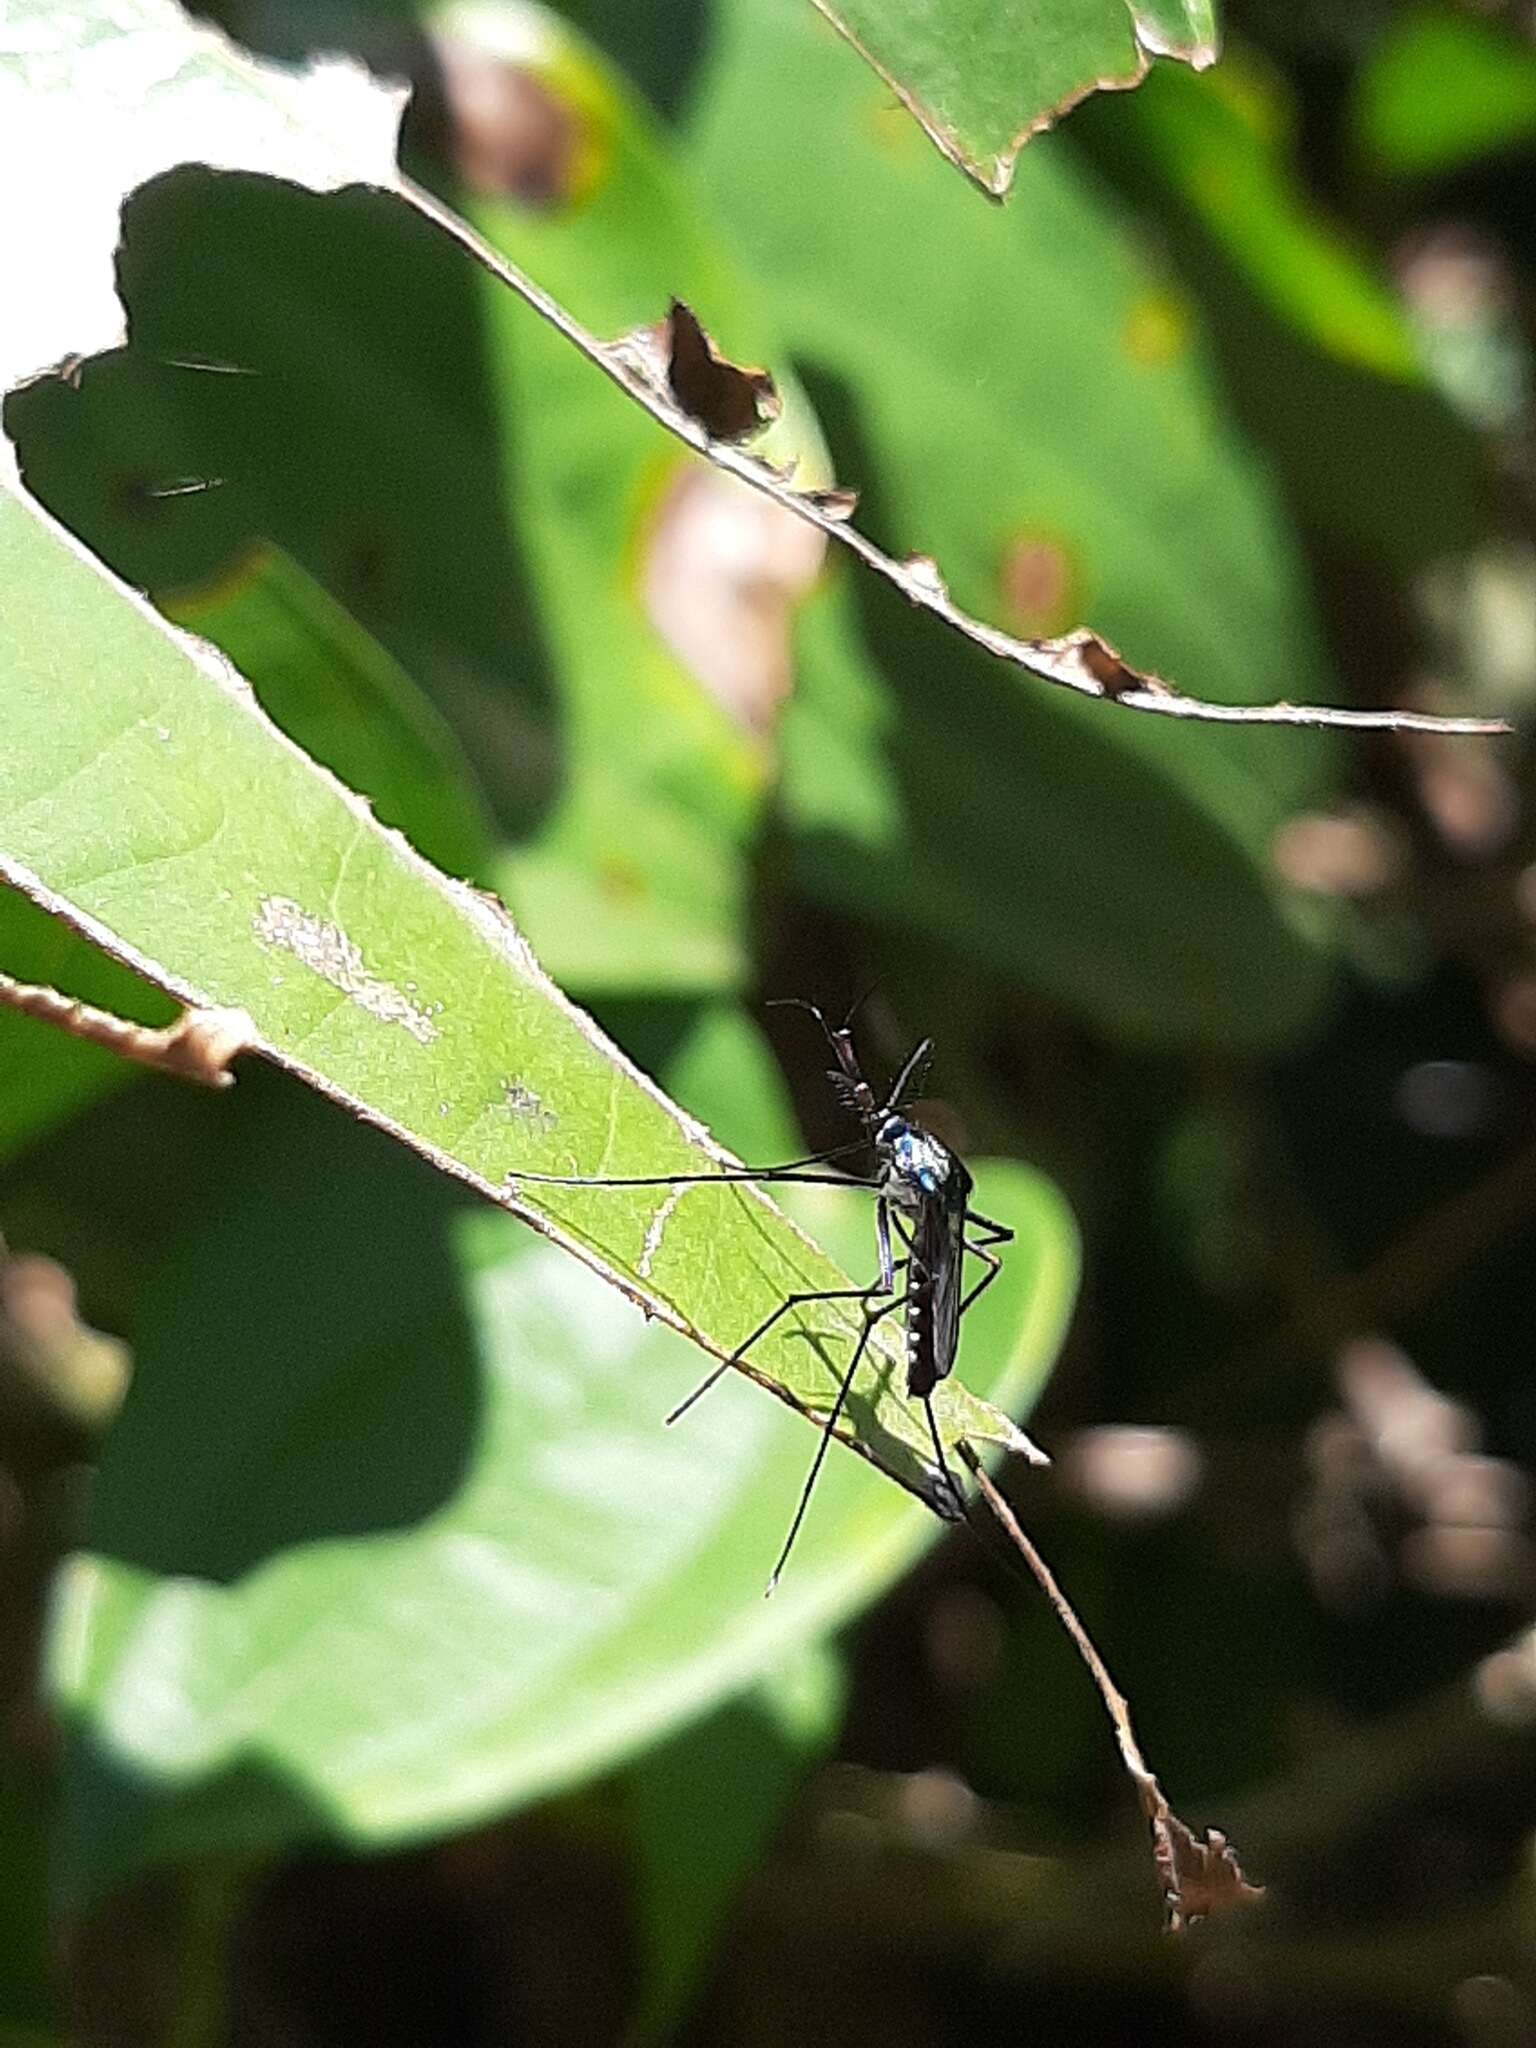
x: 389, y: 1535
x: 144, y: 797
x: 982, y: 76
x: 1033, y: 409
x: 478, y: 500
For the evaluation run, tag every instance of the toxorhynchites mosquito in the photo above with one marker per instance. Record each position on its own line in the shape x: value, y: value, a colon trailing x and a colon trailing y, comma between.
x: 922, y: 1196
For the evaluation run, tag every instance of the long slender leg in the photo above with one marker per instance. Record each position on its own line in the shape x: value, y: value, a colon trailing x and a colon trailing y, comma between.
x: 996, y: 1233
x: 884, y: 1285
x: 952, y: 1485
x: 870, y: 1320
x: 994, y: 1267
x: 788, y: 1172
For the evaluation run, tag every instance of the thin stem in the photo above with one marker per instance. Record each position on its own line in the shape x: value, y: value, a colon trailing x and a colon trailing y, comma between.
x: 1116, y: 1705
x: 197, y: 1047
x: 1079, y: 660
x: 1199, y: 1874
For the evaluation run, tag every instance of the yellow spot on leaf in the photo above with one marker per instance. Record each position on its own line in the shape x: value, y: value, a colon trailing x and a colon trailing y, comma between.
x: 1157, y: 330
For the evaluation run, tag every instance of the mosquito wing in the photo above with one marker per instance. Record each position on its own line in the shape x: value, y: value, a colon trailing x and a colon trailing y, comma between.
x: 938, y: 1260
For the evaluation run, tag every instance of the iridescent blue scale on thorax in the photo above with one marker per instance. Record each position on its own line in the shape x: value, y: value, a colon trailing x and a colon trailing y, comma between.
x: 924, y: 1180
x: 916, y: 1169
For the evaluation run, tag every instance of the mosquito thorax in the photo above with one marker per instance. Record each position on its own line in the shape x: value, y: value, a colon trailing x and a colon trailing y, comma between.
x: 916, y: 1168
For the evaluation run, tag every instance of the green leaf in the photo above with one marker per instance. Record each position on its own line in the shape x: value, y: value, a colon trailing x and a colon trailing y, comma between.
x: 983, y: 76
x: 145, y: 798
x: 704, y: 1808
x: 1442, y: 89
x: 321, y: 677
x: 1034, y: 411
x: 389, y: 1536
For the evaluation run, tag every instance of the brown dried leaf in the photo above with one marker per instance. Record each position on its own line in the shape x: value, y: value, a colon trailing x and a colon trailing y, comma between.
x: 730, y: 403
x: 1200, y: 1878
x: 56, y: 1366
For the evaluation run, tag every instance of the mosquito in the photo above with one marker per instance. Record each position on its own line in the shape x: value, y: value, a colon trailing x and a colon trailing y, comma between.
x: 922, y: 1204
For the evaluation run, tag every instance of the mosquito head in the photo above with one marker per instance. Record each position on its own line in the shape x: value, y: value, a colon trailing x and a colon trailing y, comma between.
x: 848, y: 1078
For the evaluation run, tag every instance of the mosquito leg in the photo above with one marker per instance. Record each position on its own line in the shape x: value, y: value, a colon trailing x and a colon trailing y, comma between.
x: 883, y: 1245
x: 759, y: 1176
x: 996, y: 1233
x: 951, y: 1485
x: 871, y: 1317
x: 994, y: 1266
x: 884, y: 1285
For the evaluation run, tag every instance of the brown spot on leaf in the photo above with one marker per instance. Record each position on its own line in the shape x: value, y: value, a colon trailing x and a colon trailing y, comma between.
x: 1351, y: 852
x: 723, y: 570
x: 507, y: 134
x: 621, y: 881
x: 730, y: 402
x: 1156, y: 330
x: 1041, y: 588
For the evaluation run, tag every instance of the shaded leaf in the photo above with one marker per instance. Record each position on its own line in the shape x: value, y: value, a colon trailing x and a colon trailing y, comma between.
x: 150, y: 89
x: 1311, y: 344
x: 704, y: 1807
x: 1227, y: 146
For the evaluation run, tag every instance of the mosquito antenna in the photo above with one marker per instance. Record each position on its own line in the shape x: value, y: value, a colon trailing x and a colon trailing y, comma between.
x: 863, y: 999
x: 918, y: 1059
x: 811, y: 1009
x: 840, y: 1038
